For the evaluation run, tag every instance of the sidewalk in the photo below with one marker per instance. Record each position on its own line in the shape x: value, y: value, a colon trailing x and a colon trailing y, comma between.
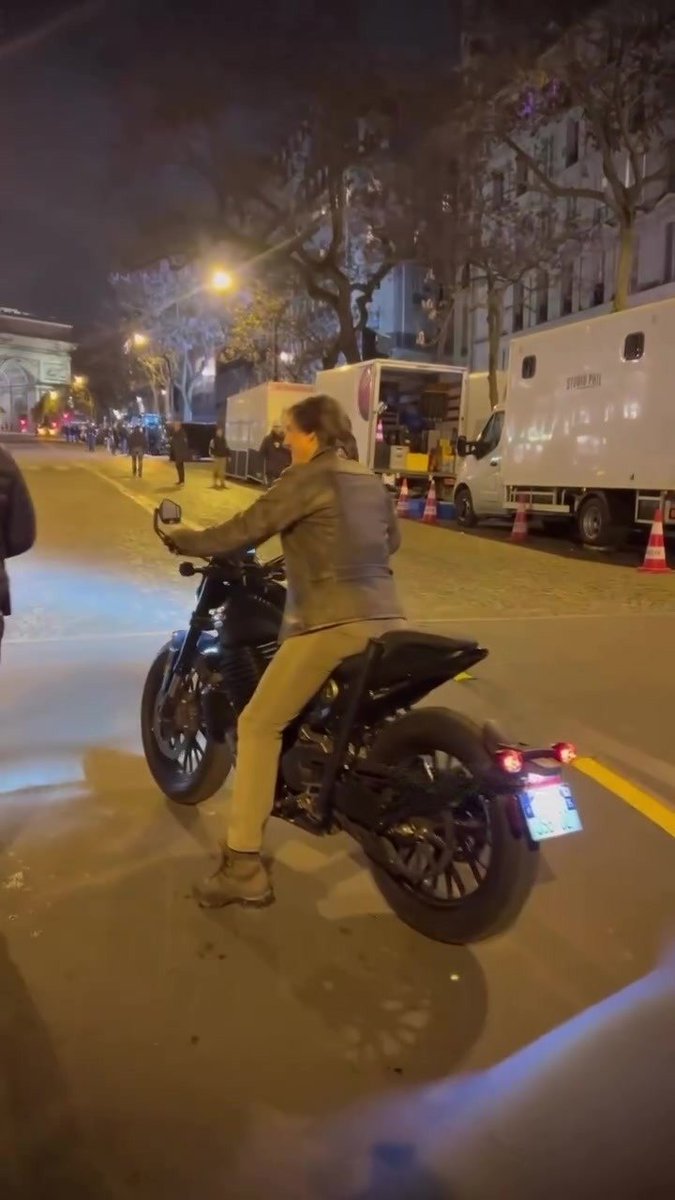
x: 443, y: 574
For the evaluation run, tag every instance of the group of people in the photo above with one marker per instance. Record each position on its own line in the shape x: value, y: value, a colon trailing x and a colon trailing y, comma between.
x: 179, y: 451
x: 274, y: 453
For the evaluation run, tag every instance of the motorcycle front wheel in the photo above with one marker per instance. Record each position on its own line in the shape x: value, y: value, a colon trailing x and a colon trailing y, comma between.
x: 493, y: 865
x: 188, y: 765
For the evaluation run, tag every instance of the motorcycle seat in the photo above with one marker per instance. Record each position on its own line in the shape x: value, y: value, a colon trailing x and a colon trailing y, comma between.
x: 404, y: 643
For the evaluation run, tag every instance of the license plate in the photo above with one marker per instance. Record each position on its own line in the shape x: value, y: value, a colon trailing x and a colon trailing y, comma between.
x: 550, y: 811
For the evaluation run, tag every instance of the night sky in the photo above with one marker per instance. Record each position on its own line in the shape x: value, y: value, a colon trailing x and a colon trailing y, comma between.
x: 65, y: 81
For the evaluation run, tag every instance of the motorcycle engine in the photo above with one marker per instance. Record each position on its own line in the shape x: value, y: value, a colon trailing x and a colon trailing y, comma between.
x: 303, y: 765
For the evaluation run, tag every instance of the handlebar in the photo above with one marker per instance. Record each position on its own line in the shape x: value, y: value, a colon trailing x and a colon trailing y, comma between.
x: 275, y: 569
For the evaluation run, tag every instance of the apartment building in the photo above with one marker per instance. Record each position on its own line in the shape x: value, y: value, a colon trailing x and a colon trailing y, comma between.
x: 583, y: 282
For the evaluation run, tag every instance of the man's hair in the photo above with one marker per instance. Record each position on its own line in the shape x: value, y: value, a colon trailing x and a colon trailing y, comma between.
x: 323, y: 416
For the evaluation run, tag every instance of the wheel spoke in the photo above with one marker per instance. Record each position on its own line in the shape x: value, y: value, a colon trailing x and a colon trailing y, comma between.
x: 451, y: 883
x: 453, y: 877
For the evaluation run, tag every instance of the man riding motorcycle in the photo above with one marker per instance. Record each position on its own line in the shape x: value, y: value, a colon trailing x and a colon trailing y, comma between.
x: 338, y: 529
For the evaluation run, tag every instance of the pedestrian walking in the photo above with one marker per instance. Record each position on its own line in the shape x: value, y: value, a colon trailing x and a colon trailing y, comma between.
x: 180, y: 451
x: 220, y: 452
x: 276, y: 457
x: 137, y: 447
x: 17, y: 525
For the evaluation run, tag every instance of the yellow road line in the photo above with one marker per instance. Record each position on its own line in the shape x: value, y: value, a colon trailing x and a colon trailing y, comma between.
x: 654, y: 810
x: 462, y: 676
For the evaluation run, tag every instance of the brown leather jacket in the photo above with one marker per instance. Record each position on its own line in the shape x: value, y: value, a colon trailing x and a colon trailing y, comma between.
x: 338, y: 529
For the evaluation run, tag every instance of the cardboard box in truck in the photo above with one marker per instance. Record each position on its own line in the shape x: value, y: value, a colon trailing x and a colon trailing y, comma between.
x: 587, y: 431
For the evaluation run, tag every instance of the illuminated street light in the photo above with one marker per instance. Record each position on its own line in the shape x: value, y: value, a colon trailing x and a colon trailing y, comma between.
x: 79, y: 381
x: 221, y: 280
x: 286, y: 357
x: 139, y: 340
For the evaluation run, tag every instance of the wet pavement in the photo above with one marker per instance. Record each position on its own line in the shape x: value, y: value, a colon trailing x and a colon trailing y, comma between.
x: 148, y: 1046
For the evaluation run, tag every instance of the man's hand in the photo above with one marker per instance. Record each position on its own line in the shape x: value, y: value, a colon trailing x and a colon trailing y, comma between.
x: 182, y: 540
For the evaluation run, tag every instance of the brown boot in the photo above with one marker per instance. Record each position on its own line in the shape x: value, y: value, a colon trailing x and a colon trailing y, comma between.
x: 240, y: 879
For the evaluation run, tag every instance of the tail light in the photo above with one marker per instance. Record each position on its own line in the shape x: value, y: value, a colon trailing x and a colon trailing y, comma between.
x: 565, y: 753
x: 510, y: 761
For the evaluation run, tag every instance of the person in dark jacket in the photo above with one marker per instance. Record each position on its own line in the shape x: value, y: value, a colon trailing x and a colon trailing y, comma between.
x: 180, y: 451
x: 137, y: 444
x: 220, y: 452
x: 275, y: 454
x: 338, y: 530
x: 17, y: 524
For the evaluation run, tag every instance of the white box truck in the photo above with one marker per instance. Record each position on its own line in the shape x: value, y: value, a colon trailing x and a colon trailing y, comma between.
x: 587, y: 430
x: 249, y: 418
x: 406, y: 416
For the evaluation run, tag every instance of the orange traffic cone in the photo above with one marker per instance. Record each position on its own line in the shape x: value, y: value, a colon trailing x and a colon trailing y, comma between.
x: 655, y: 554
x: 519, y: 531
x: 403, y: 502
x: 430, y: 514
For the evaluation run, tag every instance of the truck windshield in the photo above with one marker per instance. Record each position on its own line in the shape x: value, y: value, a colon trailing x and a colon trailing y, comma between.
x: 490, y: 435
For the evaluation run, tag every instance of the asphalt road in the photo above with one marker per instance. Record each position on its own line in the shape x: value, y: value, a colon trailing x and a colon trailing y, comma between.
x: 150, y: 1048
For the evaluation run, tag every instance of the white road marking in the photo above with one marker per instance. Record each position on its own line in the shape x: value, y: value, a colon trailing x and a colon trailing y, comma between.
x: 27, y: 468
x: 141, y: 501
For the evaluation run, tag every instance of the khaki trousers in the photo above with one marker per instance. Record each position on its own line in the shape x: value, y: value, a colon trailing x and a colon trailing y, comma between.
x: 219, y: 465
x: 295, y: 674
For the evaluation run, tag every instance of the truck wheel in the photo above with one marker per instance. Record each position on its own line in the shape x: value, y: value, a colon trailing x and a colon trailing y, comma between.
x: 597, y: 525
x: 466, y: 516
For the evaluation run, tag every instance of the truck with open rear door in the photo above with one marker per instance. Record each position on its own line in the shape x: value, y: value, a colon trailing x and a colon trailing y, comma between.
x: 407, y: 416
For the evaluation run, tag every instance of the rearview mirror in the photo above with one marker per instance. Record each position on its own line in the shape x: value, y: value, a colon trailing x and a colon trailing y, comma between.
x: 170, y: 513
x: 461, y: 446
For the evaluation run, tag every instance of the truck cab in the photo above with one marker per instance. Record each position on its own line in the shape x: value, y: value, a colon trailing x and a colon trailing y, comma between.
x: 479, y: 490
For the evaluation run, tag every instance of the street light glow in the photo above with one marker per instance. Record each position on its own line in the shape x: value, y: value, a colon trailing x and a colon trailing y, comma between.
x: 139, y: 340
x: 221, y: 280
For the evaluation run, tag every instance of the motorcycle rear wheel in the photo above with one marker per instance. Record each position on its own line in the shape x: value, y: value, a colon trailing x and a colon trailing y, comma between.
x: 443, y: 913
x: 207, y: 763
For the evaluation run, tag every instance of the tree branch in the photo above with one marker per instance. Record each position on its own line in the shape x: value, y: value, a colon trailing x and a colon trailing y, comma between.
x: 549, y: 186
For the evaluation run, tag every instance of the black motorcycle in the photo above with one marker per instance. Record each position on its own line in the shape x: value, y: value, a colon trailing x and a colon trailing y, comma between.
x: 448, y: 815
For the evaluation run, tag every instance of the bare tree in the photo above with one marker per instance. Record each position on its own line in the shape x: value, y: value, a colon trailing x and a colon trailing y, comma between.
x: 309, y: 189
x: 482, y: 239
x: 611, y: 76
x: 171, y: 318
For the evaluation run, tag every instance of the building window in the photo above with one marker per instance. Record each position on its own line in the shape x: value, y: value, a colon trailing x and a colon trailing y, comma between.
x: 498, y: 189
x: 572, y: 142
x: 669, y: 264
x: 517, y: 307
x: 670, y: 169
x: 567, y: 289
x: 521, y: 176
x: 546, y: 153
x: 529, y: 367
x: 598, y: 293
x: 571, y: 209
x: 634, y: 347
x: 542, y: 297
